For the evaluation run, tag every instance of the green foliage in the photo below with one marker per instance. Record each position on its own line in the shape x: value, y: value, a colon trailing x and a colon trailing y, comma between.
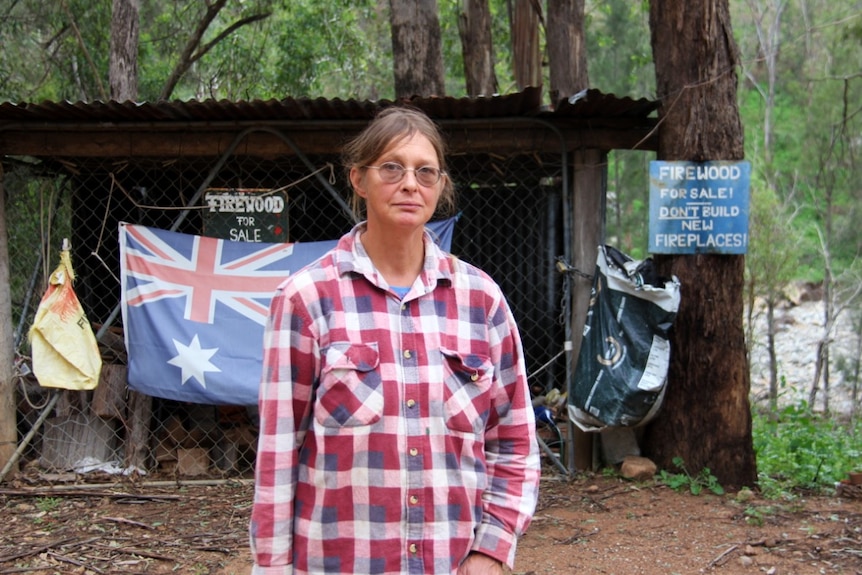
x: 348, y: 55
x: 618, y: 47
x: 620, y: 62
x: 814, y: 123
x: 773, y: 258
x: 342, y: 49
x: 627, y: 206
x: 47, y: 504
x: 797, y: 448
x: 694, y: 483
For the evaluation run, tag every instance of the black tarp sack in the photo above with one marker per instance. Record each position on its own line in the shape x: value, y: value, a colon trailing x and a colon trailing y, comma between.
x: 622, y: 365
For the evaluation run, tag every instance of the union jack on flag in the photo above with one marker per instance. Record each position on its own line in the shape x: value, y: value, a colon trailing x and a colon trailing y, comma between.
x: 194, y: 309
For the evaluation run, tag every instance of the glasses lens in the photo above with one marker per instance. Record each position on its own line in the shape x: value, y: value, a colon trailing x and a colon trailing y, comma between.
x: 427, y: 175
x: 391, y: 172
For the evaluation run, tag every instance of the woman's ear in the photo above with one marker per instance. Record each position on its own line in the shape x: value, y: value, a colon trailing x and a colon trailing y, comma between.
x: 357, y: 180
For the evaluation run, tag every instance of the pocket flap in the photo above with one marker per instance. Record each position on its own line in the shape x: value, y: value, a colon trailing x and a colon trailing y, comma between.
x: 355, y: 356
x: 473, y: 366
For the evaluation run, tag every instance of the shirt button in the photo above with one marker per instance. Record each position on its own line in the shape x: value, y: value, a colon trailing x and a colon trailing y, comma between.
x: 414, y: 500
x: 411, y: 402
x: 403, y: 306
x: 414, y: 452
x: 407, y: 354
x: 413, y: 548
x: 474, y: 377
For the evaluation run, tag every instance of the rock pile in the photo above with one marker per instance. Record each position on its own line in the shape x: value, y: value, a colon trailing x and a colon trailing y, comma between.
x: 800, y: 328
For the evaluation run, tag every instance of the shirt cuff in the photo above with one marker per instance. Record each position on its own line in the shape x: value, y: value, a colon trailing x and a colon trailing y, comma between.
x: 272, y: 570
x: 496, y: 542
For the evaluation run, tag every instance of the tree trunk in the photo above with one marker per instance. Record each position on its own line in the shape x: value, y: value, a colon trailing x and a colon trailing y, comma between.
x: 706, y: 418
x: 195, y: 49
x: 187, y: 57
x: 474, y: 27
x: 417, y: 51
x: 123, y: 65
x: 8, y: 417
x: 567, y: 50
x: 526, y: 56
x: 773, y: 355
x: 769, y: 40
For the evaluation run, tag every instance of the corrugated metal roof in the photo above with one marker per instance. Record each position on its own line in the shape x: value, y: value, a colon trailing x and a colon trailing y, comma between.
x: 587, y: 104
x: 595, y: 104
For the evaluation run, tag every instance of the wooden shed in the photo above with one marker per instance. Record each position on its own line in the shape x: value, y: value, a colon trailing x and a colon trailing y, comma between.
x: 531, y: 183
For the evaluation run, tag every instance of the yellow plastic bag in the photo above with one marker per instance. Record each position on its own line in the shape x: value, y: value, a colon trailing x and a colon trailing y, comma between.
x: 63, y: 346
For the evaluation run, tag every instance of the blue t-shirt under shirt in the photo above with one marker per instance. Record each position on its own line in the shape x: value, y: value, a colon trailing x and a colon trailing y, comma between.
x: 400, y: 291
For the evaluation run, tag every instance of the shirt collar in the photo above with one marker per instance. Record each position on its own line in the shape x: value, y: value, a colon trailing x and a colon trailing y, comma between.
x: 351, y: 257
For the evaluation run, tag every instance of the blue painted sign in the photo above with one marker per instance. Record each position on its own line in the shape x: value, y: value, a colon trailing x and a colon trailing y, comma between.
x: 699, y: 207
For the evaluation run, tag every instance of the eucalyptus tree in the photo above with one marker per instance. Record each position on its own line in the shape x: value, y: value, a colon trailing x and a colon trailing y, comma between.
x: 567, y: 48
x: 123, y: 65
x: 417, y: 53
x: 524, y: 18
x: 706, y: 419
x: 770, y: 264
x: 474, y: 30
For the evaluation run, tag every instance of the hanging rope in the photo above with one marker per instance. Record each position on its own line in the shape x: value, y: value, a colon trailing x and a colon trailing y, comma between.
x: 116, y: 183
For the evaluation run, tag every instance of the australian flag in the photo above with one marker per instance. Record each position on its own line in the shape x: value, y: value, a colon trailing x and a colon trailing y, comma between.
x: 194, y: 309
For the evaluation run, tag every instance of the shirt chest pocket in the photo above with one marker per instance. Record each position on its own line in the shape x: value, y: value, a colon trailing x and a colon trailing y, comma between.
x: 467, y: 390
x: 350, y: 392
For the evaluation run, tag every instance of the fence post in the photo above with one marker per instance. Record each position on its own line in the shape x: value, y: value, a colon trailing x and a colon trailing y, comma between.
x: 8, y: 418
x: 589, y: 207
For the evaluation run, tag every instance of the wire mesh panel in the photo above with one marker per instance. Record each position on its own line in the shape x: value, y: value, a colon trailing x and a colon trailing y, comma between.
x: 511, y: 223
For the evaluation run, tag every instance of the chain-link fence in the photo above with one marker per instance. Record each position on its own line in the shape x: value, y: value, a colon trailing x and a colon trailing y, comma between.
x: 512, y: 224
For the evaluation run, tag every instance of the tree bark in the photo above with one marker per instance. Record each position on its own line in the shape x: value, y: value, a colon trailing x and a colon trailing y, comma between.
x: 567, y: 48
x: 474, y: 27
x: 123, y: 64
x: 417, y: 51
x: 526, y: 55
x: 706, y: 419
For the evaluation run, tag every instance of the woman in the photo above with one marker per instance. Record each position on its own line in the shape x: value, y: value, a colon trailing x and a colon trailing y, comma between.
x: 396, y: 428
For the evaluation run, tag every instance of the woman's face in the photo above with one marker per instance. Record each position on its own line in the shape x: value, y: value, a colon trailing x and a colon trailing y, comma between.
x: 406, y: 203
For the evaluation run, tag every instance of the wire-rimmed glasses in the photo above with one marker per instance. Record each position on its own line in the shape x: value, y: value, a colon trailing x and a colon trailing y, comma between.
x: 393, y: 172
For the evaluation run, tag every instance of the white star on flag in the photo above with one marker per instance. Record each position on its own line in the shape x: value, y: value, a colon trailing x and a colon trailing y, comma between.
x: 194, y: 361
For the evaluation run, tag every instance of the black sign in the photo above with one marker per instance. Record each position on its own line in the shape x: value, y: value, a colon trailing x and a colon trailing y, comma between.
x: 245, y: 215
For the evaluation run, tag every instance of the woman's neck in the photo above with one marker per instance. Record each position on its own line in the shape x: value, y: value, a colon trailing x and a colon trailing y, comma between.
x: 398, y: 258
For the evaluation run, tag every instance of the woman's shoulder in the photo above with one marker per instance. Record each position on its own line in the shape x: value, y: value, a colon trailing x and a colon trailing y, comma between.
x: 311, y: 276
x: 469, y: 275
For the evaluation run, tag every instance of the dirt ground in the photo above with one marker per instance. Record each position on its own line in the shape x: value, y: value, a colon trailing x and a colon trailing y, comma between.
x: 592, y: 524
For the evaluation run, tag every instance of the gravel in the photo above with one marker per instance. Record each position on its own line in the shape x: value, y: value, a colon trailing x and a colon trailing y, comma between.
x: 800, y: 328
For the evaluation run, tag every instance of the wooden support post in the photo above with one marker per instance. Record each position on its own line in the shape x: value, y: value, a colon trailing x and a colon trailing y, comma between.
x: 8, y: 419
x: 589, y: 185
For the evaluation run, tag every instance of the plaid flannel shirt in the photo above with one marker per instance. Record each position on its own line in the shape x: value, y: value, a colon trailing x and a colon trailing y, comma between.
x: 396, y: 436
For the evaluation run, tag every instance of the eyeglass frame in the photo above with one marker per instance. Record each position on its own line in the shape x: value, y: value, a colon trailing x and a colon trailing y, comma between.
x: 404, y: 170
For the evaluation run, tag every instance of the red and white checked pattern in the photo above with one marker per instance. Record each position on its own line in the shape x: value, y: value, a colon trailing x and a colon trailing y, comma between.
x: 420, y: 443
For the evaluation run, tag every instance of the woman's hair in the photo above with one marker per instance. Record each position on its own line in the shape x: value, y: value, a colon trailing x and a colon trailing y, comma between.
x: 392, y: 125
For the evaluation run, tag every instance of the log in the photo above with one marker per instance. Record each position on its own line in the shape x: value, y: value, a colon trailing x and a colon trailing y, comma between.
x: 109, y: 399
x: 140, y: 411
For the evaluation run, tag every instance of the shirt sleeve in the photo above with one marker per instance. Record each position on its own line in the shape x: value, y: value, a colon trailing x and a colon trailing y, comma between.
x: 290, y: 366
x: 511, y: 448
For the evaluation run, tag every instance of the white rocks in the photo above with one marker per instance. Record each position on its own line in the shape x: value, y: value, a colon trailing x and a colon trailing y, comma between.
x: 800, y: 328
